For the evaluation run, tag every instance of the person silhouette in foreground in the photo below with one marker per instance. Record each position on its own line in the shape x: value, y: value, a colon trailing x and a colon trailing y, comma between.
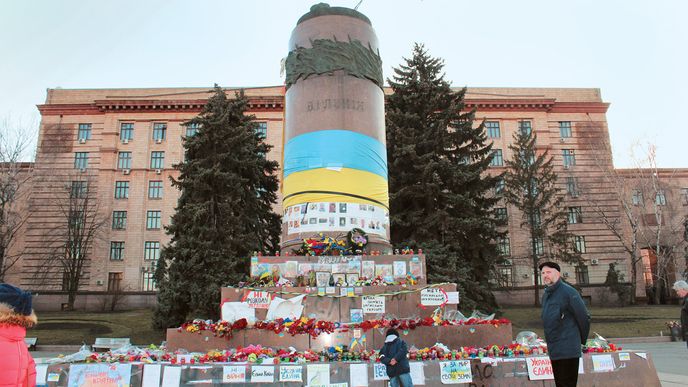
x: 17, y: 367
x: 681, y: 288
x: 566, y: 322
x: 393, y: 356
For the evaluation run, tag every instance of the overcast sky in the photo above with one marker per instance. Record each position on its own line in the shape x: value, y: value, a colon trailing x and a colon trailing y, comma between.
x: 636, y: 52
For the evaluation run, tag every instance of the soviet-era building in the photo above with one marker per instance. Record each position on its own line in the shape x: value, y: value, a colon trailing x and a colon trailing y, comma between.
x: 117, y: 147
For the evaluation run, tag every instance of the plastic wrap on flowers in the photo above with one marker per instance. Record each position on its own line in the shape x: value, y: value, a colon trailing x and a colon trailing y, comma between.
x: 527, y: 338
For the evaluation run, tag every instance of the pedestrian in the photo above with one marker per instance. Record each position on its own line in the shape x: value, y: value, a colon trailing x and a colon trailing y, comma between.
x: 566, y: 322
x: 393, y: 356
x: 17, y: 367
x: 681, y: 288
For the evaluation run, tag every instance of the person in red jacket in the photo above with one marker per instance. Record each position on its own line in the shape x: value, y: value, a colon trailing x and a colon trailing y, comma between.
x: 17, y: 367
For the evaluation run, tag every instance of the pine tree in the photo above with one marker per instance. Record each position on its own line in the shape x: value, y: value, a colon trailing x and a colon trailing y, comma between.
x: 439, y: 192
x: 224, y: 212
x: 530, y: 186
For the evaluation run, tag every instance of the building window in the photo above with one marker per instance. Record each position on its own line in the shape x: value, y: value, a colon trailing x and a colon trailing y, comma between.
x: 497, y: 159
x: 501, y: 215
x: 565, y: 129
x: 569, y: 157
x: 119, y: 220
x: 637, y: 197
x: 262, y: 130
x: 155, y: 189
x: 505, y: 278
x: 582, y: 275
x: 159, y: 131
x: 116, y: 251
x: 157, y: 160
x: 126, y: 131
x: 535, y: 218
x: 579, y: 244
x: 572, y: 186
x: 151, y: 251
x: 660, y: 198
x: 492, y: 129
x: 503, y: 246
x: 78, y: 189
x: 192, y: 129
x: 153, y: 220
x: 84, y: 132
x: 115, y: 281
x: 124, y: 160
x: 538, y: 246
x: 499, y: 186
x: 524, y: 127
x: 121, y: 189
x: 81, y: 160
x: 575, y: 215
x: 148, y: 284
x: 684, y: 196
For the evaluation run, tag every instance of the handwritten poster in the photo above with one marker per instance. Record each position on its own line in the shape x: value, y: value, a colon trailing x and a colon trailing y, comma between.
x: 318, y: 374
x: 380, y: 372
x: 258, y: 300
x: 291, y: 374
x: 234, y: 374
x: 540, y: 368
x: 455, y: 372
x: 358, y: 374
x: 433, y: 297
x: 399, y: 269
x: 373, y: 304
x: 368, y: 269
x: 417, y: 373
x: 602, y: 363
x: 262, y: 374
x: 105, y: 375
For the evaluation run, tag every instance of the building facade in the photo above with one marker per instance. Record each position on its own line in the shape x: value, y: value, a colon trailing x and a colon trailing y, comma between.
x: 119, y: 147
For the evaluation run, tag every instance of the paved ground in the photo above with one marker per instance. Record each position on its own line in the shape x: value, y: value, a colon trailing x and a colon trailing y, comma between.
x: 671, y: 361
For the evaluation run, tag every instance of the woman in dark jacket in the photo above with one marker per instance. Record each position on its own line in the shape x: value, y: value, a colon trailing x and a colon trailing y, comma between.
x: 393, y: 356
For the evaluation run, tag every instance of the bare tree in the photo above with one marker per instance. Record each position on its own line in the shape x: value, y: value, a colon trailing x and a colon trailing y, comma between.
x: 15, y: 139
x: 79, y: 226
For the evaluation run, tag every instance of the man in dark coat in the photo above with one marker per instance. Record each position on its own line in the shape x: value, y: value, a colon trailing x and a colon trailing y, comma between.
x: 393, y: 356
x: 566, y: 322
x: 681, y: 288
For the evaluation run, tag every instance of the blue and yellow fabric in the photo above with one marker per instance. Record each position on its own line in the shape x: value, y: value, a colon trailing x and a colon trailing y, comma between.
x: 335, y: 166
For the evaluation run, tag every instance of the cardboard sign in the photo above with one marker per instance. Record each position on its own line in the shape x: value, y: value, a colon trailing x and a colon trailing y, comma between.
x: 455, y: 372
x: 106, y: 375
x: 380, y: 372
x: 433, y: 297
x: 602, y: 363
x: 291, y: 374
x: 256, y: 299
x: 234, y: 374
x: 262, y: 374
x: 540, y: 368
x: 373, y: 304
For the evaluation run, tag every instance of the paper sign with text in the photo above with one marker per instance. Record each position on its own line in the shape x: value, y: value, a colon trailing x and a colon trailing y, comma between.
x: 455, y: 372
x: 380, y: 372
x: 602, y: 363
x: 433, y: 297
x: 358, y: 375
x: 318, y: 374
x: 106, y: 375
x: 234, y: 374
x: 373, y: 304
x: 290, y: 374
x: 540, y: 368
x: 256, y: 299
x: 262, y: 374
x: 417, y: 373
